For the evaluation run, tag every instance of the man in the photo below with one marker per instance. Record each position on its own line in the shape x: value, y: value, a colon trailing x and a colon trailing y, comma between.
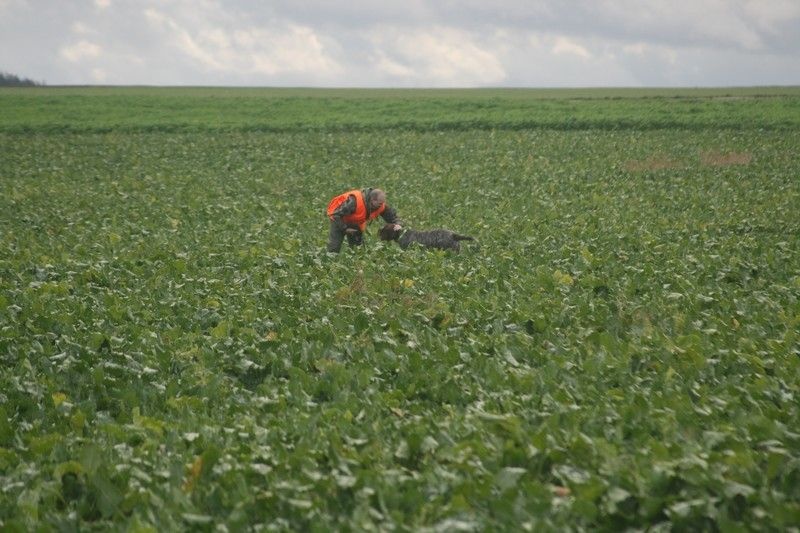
x: 350, y: 212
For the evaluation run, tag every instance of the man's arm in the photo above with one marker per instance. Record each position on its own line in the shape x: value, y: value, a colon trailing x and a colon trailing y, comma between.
x: 390, y: 215
x: 347, y: 207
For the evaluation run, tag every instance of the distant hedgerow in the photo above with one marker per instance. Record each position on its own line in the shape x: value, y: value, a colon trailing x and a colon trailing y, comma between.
x: 12, y: 80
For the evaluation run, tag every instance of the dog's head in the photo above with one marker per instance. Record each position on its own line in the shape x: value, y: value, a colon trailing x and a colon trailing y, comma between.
x: 388, y: 233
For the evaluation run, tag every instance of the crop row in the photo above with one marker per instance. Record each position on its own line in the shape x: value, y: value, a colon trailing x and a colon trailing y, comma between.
x: 620, y: 348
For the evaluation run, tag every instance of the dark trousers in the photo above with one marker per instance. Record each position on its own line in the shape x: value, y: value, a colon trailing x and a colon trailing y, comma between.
x: 337, y: 235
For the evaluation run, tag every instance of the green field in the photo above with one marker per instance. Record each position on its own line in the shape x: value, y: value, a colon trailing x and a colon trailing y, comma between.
x: 621, y: 350
x: 199, y: 110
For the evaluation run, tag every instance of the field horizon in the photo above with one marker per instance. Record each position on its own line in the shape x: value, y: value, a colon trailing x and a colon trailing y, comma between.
x: 147, y: 109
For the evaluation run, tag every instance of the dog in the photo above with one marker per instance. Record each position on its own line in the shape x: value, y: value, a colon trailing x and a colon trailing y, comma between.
x: 439, y: 238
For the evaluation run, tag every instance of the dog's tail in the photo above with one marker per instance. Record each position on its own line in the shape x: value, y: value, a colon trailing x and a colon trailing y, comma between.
x: 474, y: 245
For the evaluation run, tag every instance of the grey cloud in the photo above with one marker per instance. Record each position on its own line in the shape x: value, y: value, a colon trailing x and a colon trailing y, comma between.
x: 711, y: 23
x: 403, y: 43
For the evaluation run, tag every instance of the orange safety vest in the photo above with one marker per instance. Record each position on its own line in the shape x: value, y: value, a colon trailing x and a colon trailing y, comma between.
x: 359, y: 216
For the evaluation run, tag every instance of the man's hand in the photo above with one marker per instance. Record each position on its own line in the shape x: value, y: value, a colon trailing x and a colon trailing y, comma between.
x: 397, y: 227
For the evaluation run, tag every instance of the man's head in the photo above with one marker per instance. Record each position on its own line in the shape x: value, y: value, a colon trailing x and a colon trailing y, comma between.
x: 376, y: 198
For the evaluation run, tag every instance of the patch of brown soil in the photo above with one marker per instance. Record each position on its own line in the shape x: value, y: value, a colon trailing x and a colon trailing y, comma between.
x: 719, y: 159
x: 651, y: 163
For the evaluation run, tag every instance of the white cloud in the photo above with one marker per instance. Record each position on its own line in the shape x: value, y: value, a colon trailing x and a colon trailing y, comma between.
x: 102, y: 4
x: 270, y: 51
x: 563, y: 45
x: 79, y: 51
x: 390, y: 67
x: 99, y: 75
x: 290, y: 49
x: 436, y: 56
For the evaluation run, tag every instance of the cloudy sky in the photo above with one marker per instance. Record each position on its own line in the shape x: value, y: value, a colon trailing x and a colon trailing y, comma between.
x: 403, y: 43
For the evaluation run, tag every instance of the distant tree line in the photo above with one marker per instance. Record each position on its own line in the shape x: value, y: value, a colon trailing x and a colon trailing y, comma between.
x: 12, y: 80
